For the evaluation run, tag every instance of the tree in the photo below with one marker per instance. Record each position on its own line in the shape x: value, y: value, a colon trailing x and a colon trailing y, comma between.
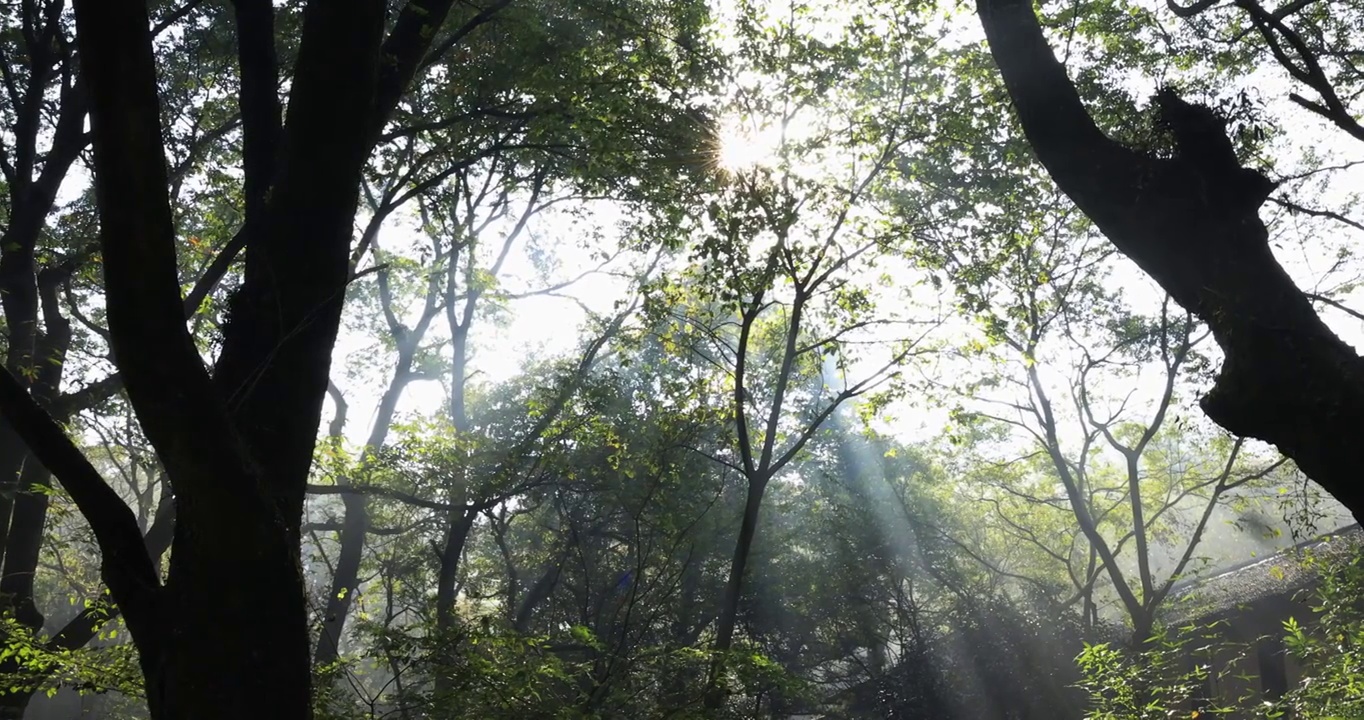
x: 236, y: 444
x: 1191, y: 222
x: 730, y: 491
x: 536, y: 114
x: 1096, y: 449
x: 782, y: 316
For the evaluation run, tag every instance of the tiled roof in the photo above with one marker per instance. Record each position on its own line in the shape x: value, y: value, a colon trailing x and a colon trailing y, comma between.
x: 1279, y: 575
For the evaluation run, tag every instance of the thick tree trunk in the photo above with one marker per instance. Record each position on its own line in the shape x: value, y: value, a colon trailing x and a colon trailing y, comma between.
x: 237, y: 640
x: 226, y: 636
x: 1191, y: 222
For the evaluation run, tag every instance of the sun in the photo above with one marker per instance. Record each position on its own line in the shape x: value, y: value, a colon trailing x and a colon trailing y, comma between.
x: 745, y: 145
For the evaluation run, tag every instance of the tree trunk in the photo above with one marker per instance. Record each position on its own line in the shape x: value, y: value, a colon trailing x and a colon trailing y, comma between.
x: 80, y: 630
x: 23, y: 538
x: 237, y: 642
x: 226, y: 636
x: 451, y: 552
x: 25, y: 533
x: 355, y: 525
x: 36, y: 356
x: 729, y: 611
x: 1191, y: 222
x: 539, y: 592
x: 345, y: 579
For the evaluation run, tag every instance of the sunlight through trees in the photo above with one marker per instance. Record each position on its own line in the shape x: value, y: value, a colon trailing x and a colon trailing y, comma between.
x: 680, y: 359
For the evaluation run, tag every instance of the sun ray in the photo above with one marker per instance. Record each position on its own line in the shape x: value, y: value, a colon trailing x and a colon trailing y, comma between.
x: 744, y: 145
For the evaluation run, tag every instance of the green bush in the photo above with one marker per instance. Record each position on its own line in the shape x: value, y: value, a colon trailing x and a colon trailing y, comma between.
x: 1161, y: 681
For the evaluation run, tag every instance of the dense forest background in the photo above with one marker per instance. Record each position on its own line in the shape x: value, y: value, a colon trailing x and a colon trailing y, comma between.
x: 670, y: 358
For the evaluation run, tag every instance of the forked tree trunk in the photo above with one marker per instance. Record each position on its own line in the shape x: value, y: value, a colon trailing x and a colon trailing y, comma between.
x: 226, y: 636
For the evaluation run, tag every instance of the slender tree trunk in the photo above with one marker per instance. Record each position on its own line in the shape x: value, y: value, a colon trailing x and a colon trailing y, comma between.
x: 729, y: 610
x: 24, y: 536
x: 30, y: 202
x: 345, y: 579
x: 686, y: 626
x: 538, y: 593
x: 462, y: 518
x: 451, y: 552
x: 80, y: 630
x: 19, y: 297
x: 1143, y: 628
x: 355, y: 525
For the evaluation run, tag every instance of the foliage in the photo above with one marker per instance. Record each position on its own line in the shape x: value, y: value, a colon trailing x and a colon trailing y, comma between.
x: 489, y: 670
x: 1329, y: 644
x: 1164, y: 679
x: 107, y: 667
x: 633, y: 280
x: 1177, y: 671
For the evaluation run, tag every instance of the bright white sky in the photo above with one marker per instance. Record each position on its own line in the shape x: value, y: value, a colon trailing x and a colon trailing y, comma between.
x: 542, y: 326
x: 547, y: 326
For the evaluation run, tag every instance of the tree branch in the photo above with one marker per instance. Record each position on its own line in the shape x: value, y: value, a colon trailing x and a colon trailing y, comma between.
x: 1337, y: 305
x: 259, y: 101
x: 169, y: 387
x: 375, y: 491
x: 125, y: 566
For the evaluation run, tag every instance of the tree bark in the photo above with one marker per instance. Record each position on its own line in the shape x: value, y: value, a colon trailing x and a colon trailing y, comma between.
x: 1191, y: 222
x: 451, y: 552
x: 729, y: 610
x: 226, y: 636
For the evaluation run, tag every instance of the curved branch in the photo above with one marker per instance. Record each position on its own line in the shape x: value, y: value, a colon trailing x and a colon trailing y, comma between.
x: 1188, y: 11
x: 1192, y: 223
x: 125, y: 566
